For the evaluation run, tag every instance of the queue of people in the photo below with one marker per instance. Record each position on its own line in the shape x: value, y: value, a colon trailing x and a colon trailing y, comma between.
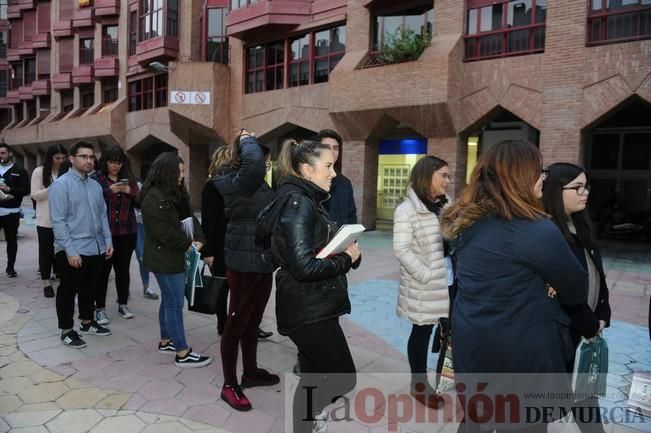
x: 513, y: 262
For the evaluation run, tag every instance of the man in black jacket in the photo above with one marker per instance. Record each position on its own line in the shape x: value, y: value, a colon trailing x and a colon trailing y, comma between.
x: 14, y: 185
x: 341, y: 205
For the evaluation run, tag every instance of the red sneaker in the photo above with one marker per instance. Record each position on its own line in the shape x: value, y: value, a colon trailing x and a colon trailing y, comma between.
x: 261, y: 378
x: 235, y: 398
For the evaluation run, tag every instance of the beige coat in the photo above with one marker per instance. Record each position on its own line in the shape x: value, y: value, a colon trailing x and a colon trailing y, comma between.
x: 418, y: 246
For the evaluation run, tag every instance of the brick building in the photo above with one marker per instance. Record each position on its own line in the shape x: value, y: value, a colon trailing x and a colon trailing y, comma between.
x: 572, y: 76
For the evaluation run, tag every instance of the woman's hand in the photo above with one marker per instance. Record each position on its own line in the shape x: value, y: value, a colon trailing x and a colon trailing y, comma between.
x: 353, y: 251
x: 245, y: 133
x: 209, y: 261
x: 198, y: 245
x: 551, y: 292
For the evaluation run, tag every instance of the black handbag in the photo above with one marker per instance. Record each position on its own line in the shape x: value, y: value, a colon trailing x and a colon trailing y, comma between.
x: 205, y: 298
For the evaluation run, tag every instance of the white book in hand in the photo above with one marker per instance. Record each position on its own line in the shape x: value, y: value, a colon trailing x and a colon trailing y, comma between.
x: 346, y: 235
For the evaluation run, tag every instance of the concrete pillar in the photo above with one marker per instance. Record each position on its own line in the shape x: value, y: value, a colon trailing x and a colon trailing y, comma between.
x: 360, y: 165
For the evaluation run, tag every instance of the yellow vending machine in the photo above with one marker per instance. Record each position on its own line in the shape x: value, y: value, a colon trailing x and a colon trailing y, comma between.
x: 396, y: 158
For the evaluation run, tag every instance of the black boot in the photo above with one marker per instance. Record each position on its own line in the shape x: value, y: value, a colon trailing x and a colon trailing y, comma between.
x: 48, y: 292
x: 264, y: 334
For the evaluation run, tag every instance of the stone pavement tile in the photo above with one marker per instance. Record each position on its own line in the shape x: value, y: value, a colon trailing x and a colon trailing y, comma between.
x: 114, y: 402
x: 160, y: 389
x: 73, y: 383
x: 19, y: 368
x: 267, y: 399
x: 126, y: 354
x: 249, y: 422
x: 92, y: 377
x: 195, y: 376
x: 168, y: 407
x: 59, y: 354
x: 14, y: 385
x: 36, y: 429
x: 209, y: 414
x: 277, y: 359
x: 43, y: 392
x: 4, y: 427
x: 157, y: 372
x: 38, y: 407
x: 134, y: 403
x: 131, y: 367
x: 97, y: 363
x: 45, y: 376
x: 125, y: 383
x: 81, y: 398
x: 45, y: 341
x: 199, y: 394
x: 122, y: 424
x: 64, y: 370
x: 166, y: 427
x: 29, y: 419
x: 9, y: 403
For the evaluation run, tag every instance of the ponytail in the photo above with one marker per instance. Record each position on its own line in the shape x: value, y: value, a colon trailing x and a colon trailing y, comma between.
x: 293, y: 154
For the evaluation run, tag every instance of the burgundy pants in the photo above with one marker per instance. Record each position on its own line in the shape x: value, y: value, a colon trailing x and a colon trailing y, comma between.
x: 249, y: 293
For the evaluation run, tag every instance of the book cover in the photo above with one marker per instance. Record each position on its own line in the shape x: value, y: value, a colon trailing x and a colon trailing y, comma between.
x: 346, y: 235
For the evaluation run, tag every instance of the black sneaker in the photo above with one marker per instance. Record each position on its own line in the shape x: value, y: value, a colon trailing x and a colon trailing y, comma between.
x: 192, y: 360
x: 48, y: 292
x: 11, y: 273
x: 93, y: 328
x: 73, y: 339
x: 264, y: 334
x: 167, y: 347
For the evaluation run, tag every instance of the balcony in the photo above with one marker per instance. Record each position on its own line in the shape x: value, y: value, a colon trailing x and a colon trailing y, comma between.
x: 41, y: 40
x: 83, y: 74
x: 107, y: 67
x: 13, y: 97
x: 266, y: 14
x: 13, y: 54
x: 63, y: 29
x: 25, y: 93
x: 13, y: 12
x: 41, y: 87
x: 83, y: 17
x: 26, y: 4
x: 107, y: 7
x: 62, y: 81
x: 159, y: 48
x: 26, y: 48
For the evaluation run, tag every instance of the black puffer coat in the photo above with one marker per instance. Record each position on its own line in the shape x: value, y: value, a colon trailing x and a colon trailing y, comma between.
x: 308, y: 290
x: 245, y: 193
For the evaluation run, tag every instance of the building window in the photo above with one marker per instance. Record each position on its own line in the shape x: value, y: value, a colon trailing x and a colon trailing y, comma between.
x: 30, y: 71
x: 419, y: 20
x: 505, y: 28
x: 149, y: 92
x: 4, y: 35
x: 133, y: 32
x: 237, y: 4
x: 17, y: 76
x: 109, y: 91
x: 329, y: 48
x: 86, y: 51
x: 216, y: 43
x: 172, y: 18
x: 265, y: 67
x: 110, y: 40
x: 299, y: 61
x: 310, y: 59
x: 151, y: 19
x: 3, y: 9
x: 67, y: 101
x: 4, y: 83
x: 618, y: 21
x: 87, y: 96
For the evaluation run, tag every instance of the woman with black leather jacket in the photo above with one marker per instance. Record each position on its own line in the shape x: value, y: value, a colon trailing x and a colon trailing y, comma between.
x: 311, y: 293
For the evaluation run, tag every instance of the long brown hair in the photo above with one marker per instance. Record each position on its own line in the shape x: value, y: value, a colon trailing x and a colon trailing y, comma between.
x: 502, y: 184
x: 420, y: 179
x: 220, y: 158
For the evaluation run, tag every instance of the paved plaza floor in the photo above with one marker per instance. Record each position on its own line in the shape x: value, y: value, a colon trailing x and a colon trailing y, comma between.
x: 122, y: 384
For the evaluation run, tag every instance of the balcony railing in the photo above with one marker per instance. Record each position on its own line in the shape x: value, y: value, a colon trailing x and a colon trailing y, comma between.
x: 3, y: 51
x: 502, y: 43
x: 86, y: 56
x: 4, y: 86
x: 619, y: 25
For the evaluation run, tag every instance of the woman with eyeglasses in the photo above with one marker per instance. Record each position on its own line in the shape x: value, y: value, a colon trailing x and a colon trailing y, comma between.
x: 507, y: 251
x: 42, y: 178
x: 565, y: 196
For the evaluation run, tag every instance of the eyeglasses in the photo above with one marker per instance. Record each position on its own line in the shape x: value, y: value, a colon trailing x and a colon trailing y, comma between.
x: 580, y: 189
x: 86, y: 157
x: 544, y: 173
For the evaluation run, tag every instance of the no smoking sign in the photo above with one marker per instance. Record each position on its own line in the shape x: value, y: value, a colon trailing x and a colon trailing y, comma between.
x: 190, y: 97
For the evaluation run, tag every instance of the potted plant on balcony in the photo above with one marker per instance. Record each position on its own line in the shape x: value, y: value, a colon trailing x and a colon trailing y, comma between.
x: 403, y: 46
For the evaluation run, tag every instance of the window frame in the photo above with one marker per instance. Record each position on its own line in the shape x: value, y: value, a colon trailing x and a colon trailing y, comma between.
x: 602, y: 16
x: 311, y: 61
x: 165, y: 18
x: 223, y: 53
x: 503, y: 31
x: 108, y: 42
x: 146, y: 97
x: 133, y: 32
x: 86, y: 54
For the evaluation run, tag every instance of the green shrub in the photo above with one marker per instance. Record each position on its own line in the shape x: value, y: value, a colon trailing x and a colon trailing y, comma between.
x: 403, y: 46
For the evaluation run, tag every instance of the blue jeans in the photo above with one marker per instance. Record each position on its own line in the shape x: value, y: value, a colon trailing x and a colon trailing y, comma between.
x: 170, y: 313
x: 140, y: 248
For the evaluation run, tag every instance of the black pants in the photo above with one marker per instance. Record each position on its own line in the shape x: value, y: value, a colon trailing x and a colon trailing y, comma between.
x: 9, y: 223
x: 418, y: 349
x: 588, y: 416
x: 81, y: 282
x: 327, y: 370
x: 45, y: 252
x: 123, y: 247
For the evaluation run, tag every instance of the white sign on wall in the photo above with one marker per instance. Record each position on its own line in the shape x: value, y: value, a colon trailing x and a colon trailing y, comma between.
x: 191, y: 97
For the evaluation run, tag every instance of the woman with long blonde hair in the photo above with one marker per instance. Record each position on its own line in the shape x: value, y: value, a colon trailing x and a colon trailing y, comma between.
x: 507, y: 252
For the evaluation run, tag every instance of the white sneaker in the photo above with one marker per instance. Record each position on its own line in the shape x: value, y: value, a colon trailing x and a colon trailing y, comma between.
x: 320, y: 423
x: 125, y: 312
x: 101, y: 317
